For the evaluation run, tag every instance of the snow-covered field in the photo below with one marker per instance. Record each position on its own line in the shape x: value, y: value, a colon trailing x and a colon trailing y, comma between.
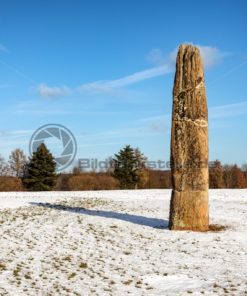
x: 117, y: 243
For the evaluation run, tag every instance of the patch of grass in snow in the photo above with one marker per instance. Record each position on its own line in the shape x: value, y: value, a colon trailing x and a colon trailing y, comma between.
x: 216, y: 285
x: 66, y: 290
x: 71, y: 276
x: 83, y: 265
x: 81, y: 204
x: 127, y: 253
x: 226, y: 291
x: 16, y: 271
x: 138, y: 284
x: 128, y: 282
x: 113, y: 226
x: 67, y: 258
x: 27, y: 276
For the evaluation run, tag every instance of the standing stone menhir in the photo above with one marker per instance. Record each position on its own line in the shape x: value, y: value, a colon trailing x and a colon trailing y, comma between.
x: 189, y: 144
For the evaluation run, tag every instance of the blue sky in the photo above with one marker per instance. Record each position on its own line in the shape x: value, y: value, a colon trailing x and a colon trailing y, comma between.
x: 105, y: 70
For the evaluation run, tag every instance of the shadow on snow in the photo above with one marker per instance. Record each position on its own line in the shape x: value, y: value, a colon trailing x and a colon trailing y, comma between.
x: 140, y: 220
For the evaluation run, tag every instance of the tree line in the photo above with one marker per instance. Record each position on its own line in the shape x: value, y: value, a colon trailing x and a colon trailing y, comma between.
x: 227, y: 176
x: 128, y: 170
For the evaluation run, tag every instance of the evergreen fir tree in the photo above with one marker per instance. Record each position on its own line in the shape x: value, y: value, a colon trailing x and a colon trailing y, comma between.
x: 41, y: 170
x: 126, y: 168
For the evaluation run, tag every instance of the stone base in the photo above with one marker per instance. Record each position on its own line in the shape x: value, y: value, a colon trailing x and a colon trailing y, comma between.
x: 189, y: 211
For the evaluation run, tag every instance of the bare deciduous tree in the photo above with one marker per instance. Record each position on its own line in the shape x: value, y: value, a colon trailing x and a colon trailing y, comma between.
x: 4, y: 168
x: 17, y: 162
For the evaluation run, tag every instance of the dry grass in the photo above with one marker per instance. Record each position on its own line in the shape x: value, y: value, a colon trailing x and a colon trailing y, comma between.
x: 10, y: 184
x: 217, y: 227
x: 91, y: 181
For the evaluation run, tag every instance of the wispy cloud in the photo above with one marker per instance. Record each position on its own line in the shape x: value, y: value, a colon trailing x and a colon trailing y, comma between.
x: 17, y: 71
x: 103, y: 86
x: 108, y: 85
x: 144, y: 127
x: 157, y: 124
x: 10, y: 140
x: 14, y: 134
x: 3, y: 48
x: 57, y: 112
x: 46, y: 91
x: 163, y: 122
x: 229, y: 110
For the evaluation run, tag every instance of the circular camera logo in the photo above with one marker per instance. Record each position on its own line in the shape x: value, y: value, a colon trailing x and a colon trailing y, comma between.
x: 59, y: 140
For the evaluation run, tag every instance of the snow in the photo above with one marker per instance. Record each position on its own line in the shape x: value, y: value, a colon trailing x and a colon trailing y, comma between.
x: 117, y: 243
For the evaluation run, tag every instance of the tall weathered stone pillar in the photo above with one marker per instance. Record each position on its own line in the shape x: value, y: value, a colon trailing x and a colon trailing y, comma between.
x: 189, y: 144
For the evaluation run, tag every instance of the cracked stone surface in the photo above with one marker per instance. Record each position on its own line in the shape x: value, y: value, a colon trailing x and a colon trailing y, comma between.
x: 189, y: 144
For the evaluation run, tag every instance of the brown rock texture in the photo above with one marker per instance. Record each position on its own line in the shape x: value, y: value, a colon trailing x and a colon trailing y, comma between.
x: 189, y: 144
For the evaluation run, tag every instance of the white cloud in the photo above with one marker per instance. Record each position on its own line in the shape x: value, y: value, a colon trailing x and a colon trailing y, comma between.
x: 109, y: 85
x: 53, y: 92
x: 211, y: 55
x: 104, y: 86
x: 3, y: 48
